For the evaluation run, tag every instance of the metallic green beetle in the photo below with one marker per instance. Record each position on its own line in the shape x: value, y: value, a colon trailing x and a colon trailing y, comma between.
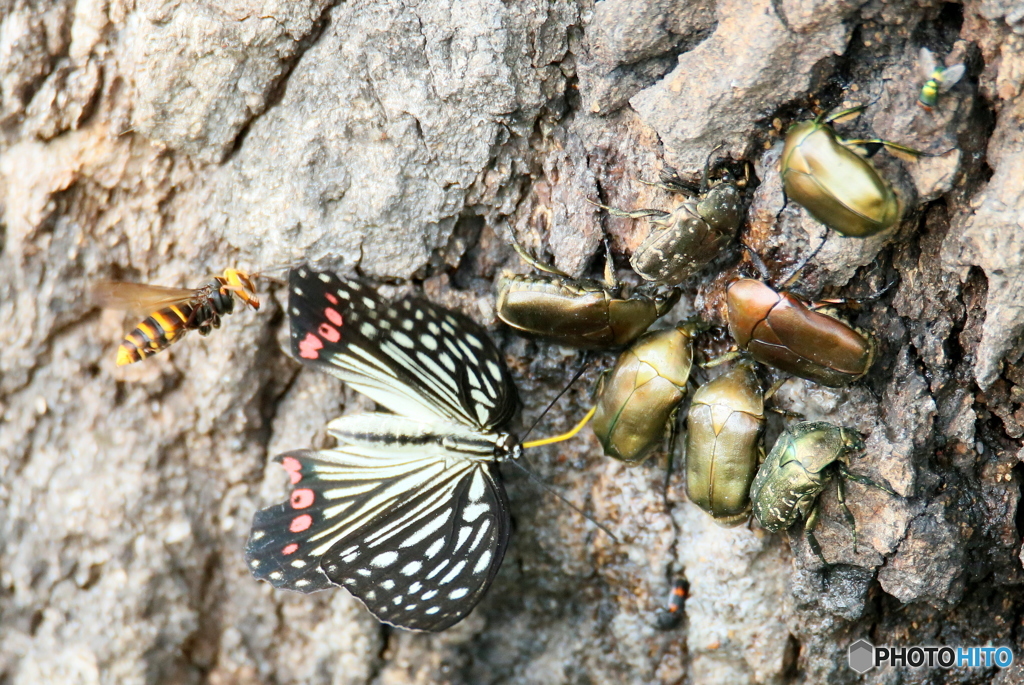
x: 723, y: 443
x: 683, y: 241
x: 831, y: 179
x: 804, y: 459
x: 576, y: 312
x: 637, y: 401
x: 937, y: 79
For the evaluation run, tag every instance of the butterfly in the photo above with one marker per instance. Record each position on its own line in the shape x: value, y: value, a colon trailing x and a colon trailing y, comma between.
x: 408, y: 512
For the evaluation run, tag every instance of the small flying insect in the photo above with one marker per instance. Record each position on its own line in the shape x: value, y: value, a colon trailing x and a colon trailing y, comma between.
x: 173, y: 312
x: 937, y: 79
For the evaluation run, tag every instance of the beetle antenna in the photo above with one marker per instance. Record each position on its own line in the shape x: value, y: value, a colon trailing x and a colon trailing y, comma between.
x: 547, y: 488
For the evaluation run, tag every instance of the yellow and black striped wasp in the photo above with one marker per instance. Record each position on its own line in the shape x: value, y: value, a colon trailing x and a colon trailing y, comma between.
x: 173, y: 312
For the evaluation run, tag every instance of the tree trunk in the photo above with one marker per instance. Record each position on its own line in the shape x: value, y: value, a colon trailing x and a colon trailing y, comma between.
x: 162, y: 142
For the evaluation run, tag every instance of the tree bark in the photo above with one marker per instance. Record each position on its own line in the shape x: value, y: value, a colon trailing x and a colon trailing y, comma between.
x: 162, y: 142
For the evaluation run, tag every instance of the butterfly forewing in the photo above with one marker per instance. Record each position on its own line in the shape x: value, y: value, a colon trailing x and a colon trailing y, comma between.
x: 408, y: 511
x: 413, y: 357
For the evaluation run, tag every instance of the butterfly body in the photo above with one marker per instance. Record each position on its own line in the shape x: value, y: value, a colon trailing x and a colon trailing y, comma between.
x: 407, y: 511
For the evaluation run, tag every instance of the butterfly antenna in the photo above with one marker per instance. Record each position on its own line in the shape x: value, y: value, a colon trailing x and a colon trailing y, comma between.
x: 547, y: 488
x: 579, y: 372
x: 564, y: 436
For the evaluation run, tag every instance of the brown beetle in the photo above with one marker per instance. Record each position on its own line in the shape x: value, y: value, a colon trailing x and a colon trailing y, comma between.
x: 781, y: 330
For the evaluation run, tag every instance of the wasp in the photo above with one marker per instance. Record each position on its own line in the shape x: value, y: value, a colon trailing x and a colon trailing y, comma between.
x: 173, y: 312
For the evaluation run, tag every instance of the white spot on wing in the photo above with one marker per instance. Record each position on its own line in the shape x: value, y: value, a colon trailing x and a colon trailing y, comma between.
x: 384, y: 560
x: 434, y: 549
x: 464, y: 534
x: 483, y: 562
x: 454, y: 573
x: 474, y: 511
x: 477, y: 488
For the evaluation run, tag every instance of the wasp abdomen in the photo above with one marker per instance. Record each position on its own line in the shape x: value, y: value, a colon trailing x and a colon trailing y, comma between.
x: 155, y: 333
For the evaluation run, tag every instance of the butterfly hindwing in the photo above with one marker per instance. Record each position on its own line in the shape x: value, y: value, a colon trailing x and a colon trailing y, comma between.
x: 429, y: 573
x: 280, y: 549
x: 415, y: 358
x: 417, y: 558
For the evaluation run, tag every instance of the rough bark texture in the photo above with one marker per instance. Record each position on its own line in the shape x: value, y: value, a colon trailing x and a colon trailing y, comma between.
x: 161, y: 141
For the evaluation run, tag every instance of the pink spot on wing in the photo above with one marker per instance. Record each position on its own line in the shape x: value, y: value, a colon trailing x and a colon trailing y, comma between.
x: 301, y: 523
x: 290, y: 549
x: 333, y: 315
x: 329, y: 332
x: 309, y: 346
x: 302, y: 498
x: 331, y: 298
x: 293, y: 467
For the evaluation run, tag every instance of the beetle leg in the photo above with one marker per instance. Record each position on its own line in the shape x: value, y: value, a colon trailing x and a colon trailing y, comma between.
x: 777, y: 6
x: 530, y: 259
x: 721, y: 359
x: 863, y: 480
x: 673, y: 182
x: 609, y: 266
x: 908, y: 154
x: 636, y: 214
x: 843, y: 116
x: 673, y: 438
x: 847, y: 514
x: 809, y: 526
x: 854, y: 302
x: 756, y: 260
x: 707, y: 168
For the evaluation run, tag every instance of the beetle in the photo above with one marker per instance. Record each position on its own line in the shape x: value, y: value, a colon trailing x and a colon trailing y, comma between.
x: 637, y: 400
x: 832, y: 179
x: 802, y: 462
x: 683, y: 241
x: 937, y: 79
x: 577, y: 312
x: 723, y: 443
x: 781, y: 330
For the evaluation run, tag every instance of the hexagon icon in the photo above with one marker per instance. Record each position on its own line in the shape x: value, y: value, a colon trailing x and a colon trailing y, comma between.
x: 862, y: 656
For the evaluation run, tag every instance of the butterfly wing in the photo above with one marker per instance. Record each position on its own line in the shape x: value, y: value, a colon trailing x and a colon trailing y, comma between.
x: 413, y: 528
x: 417, y: 359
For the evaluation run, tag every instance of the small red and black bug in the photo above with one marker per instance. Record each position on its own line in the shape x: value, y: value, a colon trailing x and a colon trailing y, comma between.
x: 672, y: 615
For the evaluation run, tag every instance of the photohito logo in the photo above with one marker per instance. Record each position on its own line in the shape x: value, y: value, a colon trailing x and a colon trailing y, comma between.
x: 863, y: 656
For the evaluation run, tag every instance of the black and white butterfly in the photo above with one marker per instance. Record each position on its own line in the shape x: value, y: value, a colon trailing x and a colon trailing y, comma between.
x: 408, y: 511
